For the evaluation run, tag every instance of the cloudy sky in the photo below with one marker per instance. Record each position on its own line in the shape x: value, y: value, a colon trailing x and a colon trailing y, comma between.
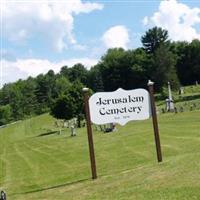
x: 38, y: 35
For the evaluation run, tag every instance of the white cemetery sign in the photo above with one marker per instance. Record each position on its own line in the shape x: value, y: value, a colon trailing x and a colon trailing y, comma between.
x: 120, y: 106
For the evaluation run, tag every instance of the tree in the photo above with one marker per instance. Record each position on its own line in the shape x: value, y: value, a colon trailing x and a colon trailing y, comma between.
x: 20, y: 97
x: 70, y: 104
x: 41, y: 94
x: 63, y: 107
x: 45, y: 91
x: 115, y: 69
x: 77, y: 95
x: 98, y: 83
x: 153, y: 38
x: 5, y: 114
x: 188, y: 62
x: 64, y: 71
x: 78, y: 73
x: 125, y: 69
x: 62, y: 86
x: 14, y: 99
x: 140, y: 66
x: 164, y: 68
x: 162, y: 60
x: 95, y: 80
x: 29, y: 100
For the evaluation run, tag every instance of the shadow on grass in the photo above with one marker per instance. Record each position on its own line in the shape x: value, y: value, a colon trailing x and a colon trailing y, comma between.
x: 48, y: 133
x: 54, y: 187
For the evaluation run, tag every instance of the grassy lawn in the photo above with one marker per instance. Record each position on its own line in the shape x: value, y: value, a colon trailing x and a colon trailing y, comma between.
x: 38, y: 163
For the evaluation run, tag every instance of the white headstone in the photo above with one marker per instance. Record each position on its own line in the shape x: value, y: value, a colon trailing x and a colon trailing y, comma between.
x: 170, y: 106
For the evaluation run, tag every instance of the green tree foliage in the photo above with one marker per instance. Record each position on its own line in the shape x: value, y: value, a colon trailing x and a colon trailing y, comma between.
x: 69, y: 104
x: 125, y: 69
x: 153, y: 38
x: 45, y: 91
x: 188, y: 62
x: 164, y: 68
x: 95, y: 80
x: 20, y: 96
x: 78, y: 73
x: 163, y: 61
x: 98, y: 85
x: 64, y: 71
x: 113, y: 66
x: 62, y: 86
x: 13, y: 97
x: 140, y: 65
x: 42, y: 94
x: 5, y: 114
x: 29, y: 99
x: 63, y: 107
x: 158, y: 60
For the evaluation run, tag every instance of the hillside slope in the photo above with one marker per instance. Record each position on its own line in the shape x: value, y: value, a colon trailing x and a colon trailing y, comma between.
x: 38, y: 163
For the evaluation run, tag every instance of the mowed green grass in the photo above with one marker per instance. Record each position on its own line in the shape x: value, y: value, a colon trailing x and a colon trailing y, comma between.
x: 37, y: 163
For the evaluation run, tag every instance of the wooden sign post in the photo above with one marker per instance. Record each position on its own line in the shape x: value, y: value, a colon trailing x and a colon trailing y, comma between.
x: 89, y: 132
x: 155, y: 122
x: 120, y: 106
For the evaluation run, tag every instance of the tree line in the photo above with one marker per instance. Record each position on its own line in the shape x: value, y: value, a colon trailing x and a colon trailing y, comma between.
x: 61, y: 94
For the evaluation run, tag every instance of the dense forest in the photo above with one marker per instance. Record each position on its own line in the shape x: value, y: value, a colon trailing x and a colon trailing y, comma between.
x: 61, y: 94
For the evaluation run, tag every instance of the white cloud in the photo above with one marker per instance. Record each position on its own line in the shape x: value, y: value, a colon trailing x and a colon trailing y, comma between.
x: 80, y: 47
x: 10, y: 72
x: 22, y: 68
x: 145, y: 21
x: 52, y: 21
x: 116, y: 36
x: 178, y: 18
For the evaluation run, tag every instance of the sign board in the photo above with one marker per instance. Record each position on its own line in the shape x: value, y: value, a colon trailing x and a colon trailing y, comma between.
x: 120, y: 106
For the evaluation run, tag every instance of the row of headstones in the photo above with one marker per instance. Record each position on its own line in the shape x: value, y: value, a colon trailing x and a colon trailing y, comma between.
x: 181, y: 89
x: 71, y: 124
x: 106, y: 128
x: 183, y: 108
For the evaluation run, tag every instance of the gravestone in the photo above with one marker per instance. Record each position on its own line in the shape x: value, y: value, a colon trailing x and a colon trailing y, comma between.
x: 73, y: 130
x: 114, y: 127
x: 56, y: 124
x: 65, y: 124
x: 181, y: 90
x: 181, y: 109
x: 110, y: 128
x: 3, y: 195
x: 169, y: 101
x: 169, y: 105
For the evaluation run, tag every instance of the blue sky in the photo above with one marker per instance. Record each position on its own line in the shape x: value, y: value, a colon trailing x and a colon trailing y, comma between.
x: 40, y: 35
